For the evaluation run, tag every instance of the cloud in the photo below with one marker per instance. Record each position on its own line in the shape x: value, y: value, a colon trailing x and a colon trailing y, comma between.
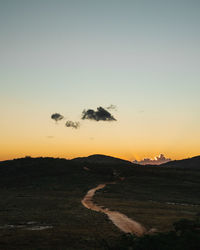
x: 156, y: 161
x: 100, y: 115
x: 50, y: 136
x: 141, y: 111
x: 112, y: 107
x: 57, y: 117
x: 71, y: 124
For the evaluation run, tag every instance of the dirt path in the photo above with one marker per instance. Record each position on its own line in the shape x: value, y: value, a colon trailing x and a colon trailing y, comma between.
x: 120, y: 220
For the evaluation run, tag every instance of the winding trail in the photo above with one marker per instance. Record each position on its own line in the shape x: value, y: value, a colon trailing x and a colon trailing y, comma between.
x: 120, y: 220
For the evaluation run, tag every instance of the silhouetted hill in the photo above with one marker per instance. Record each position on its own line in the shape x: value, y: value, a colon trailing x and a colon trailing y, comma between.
x: 49, y: 172
x: 104, y: 159
x: 191, y: 163
x: 39, y: 172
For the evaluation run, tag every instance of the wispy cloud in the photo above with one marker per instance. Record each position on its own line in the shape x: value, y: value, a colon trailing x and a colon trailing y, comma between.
x: 100, y: 115
x: 156, y: 161
x: 112, y: 107
x: 50, y: 137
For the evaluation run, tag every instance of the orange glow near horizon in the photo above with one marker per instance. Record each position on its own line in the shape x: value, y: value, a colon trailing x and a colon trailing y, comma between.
x: 115, y: 139
x: 83, y: 150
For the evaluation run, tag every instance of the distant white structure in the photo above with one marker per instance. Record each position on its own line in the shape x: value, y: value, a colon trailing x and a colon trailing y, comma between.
x: 156, y: 161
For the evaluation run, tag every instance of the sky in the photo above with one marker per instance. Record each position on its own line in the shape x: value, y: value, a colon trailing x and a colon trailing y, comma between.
x: 66, y: 56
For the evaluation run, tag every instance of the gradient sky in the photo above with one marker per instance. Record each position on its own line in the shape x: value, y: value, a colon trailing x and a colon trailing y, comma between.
x: 68, y: 55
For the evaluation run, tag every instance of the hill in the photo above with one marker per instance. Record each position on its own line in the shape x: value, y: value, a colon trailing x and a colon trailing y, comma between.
x: 102, y: 159
x: 190, y: 163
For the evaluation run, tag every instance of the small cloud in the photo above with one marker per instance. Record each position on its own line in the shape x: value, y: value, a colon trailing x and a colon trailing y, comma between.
x: 112, y: 107
x: 50, y: 136
x: 57, y: 117
x: 100, y: 115
x: 156, y: 161
x: 141, y: 111
x: 71, y: 124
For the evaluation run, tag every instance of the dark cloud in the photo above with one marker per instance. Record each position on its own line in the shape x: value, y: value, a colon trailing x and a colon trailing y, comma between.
x: 71, y: 124
x: 112, y: 107
x: 57, y: 117
x: 100, y: 115
x: 156, y: 161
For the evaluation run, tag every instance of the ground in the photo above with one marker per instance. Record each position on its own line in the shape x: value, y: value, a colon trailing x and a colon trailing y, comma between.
x: 48, y: 193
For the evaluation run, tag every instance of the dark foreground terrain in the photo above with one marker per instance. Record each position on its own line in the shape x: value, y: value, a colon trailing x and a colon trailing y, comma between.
x: 40, y: 204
